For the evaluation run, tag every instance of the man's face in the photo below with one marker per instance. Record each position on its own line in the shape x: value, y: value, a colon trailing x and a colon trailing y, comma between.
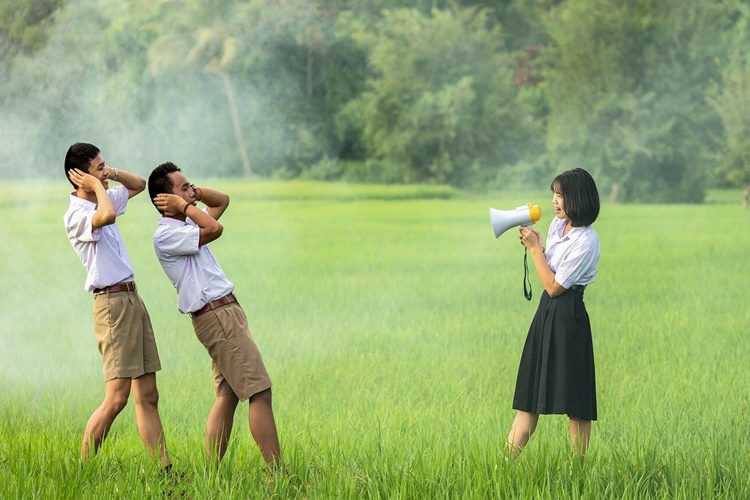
x: 181, y: 187
x: 98, y: 168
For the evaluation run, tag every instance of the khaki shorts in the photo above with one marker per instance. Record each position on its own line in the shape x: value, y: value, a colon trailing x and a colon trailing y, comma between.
x: 236, y: 361
x: 124, y: 335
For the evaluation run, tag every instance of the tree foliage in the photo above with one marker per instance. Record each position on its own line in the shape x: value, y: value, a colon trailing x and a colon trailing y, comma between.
x: 731, y: 100
x: 650, y: 96
x: 627, y: 94
x: 24, y: 25
x: 433, y: 109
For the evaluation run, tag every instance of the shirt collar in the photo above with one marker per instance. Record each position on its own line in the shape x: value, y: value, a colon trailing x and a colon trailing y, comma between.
x: 573, y: 234
x: 169, y: 221
x: 83, y: 202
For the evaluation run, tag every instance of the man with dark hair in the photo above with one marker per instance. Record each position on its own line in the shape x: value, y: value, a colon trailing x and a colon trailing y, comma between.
x: 203, y: 291
x: 122, y: 325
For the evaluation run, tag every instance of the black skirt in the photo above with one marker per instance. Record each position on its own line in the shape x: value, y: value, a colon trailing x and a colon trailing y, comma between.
x: 556, y: 373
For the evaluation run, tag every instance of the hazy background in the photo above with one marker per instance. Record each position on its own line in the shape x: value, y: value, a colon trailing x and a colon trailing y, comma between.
x: 371, y: 288
x: 651, y: 97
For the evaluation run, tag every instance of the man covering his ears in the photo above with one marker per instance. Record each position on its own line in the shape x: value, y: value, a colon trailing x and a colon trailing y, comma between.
x: 203, y: 291
x: 122, y: 325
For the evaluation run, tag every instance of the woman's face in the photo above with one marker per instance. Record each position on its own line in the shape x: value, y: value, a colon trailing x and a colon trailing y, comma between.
x: 559, y: 205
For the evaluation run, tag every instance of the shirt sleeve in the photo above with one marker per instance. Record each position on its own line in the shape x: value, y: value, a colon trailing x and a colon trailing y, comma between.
x: 578, y: 261
x: 80, y: 226
x: 119, y: 197
x: 174, y: 241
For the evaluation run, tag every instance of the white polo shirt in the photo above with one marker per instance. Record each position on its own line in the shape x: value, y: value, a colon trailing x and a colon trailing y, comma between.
x: 192, y: 269
x: 102, y: 250
x: 572, y: 257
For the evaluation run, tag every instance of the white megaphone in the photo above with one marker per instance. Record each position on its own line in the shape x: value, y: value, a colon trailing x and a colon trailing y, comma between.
x: 525, y: 215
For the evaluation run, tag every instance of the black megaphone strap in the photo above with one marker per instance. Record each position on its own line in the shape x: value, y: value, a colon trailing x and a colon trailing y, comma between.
x: 526, y: 279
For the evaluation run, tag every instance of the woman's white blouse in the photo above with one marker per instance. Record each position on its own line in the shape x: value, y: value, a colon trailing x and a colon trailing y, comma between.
x: 572, y: 257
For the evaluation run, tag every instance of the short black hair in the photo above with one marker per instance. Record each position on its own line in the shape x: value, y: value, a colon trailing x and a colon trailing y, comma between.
x: 79, y: 156
x: 578, y: 190
x: 159, y: 181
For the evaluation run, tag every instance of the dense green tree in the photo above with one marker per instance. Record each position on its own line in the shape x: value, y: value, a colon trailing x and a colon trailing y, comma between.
x: 522, y: 20
x: 291, y: 72
x: 731, y: 99
x: 626, y: 88
x: 440, y: 101
x: 308, y: 72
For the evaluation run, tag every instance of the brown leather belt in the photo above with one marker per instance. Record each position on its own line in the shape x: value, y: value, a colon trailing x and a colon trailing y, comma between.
x: 227, y: 299
x: 122, y: 287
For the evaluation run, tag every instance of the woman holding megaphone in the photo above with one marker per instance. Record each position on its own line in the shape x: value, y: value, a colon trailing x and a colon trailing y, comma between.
x: 556, y: 372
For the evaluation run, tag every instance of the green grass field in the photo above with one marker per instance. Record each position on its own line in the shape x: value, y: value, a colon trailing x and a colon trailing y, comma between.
x: 391, y: 322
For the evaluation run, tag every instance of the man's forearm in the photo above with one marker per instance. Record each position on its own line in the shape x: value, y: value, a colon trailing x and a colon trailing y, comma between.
x: 210, y: 228
x: 131, y: 181
x: 211, y: 197
x: 105, y: 212
x: 215, y: 201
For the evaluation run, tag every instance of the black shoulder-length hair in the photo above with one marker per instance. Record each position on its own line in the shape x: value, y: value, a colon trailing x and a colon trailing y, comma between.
x: 578, y: 190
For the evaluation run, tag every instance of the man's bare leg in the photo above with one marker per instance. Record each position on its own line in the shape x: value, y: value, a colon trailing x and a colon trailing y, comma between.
x: 116, y: 392
x: 263, y: 426
x: 219, y: 425
x: 147, y: 416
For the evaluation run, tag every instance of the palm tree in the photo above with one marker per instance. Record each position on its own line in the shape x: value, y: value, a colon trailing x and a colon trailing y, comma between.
x: 197, y: 31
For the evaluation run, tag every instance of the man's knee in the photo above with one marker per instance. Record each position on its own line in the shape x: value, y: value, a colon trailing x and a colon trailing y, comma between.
x: 148, y: 397
x: 262, y: 396
x: 146, y: 393
x: 115, y: 402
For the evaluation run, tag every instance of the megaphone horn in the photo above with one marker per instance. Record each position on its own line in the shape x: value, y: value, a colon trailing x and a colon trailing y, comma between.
x: 525, y: 215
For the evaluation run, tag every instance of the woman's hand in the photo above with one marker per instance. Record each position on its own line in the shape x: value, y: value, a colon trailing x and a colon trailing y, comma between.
x: 530, y: 238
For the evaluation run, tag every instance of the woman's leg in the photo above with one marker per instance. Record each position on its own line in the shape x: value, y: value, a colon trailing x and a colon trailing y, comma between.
x: 580, y: 433
x: 523, y: 427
